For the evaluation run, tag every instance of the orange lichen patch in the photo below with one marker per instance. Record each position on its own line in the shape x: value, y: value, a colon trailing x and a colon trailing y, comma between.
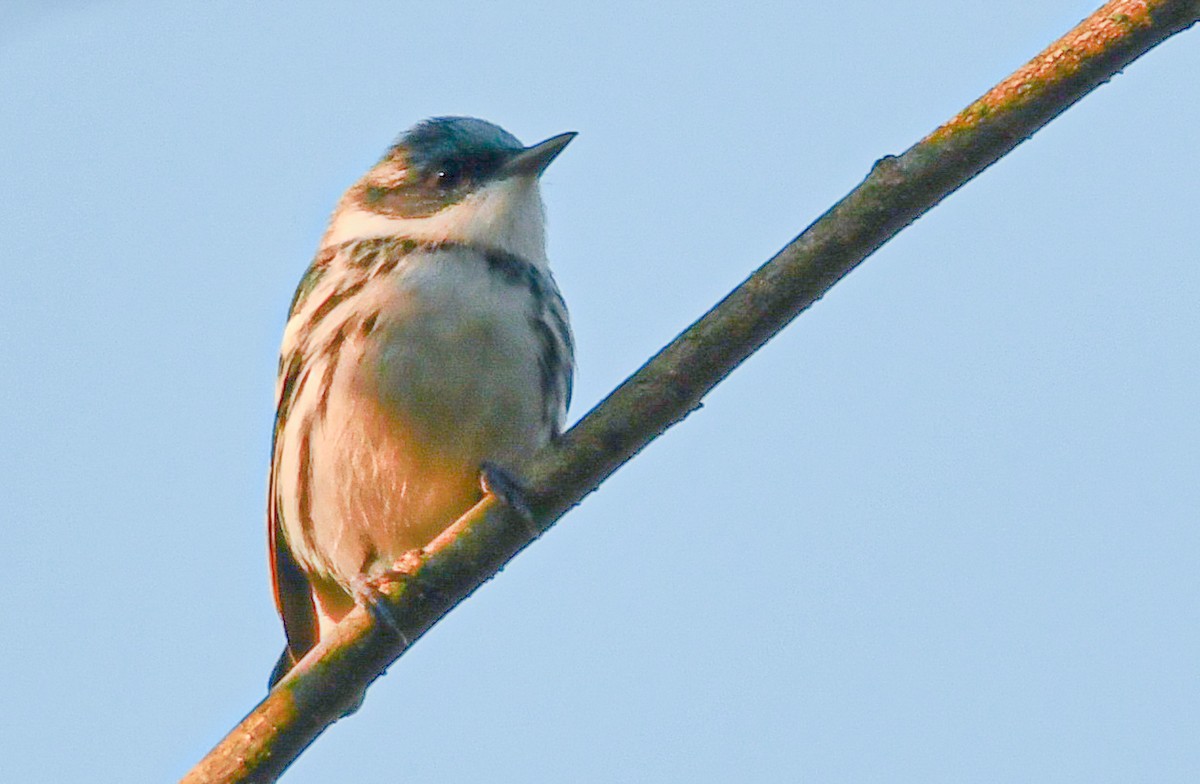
x: 1093, y: 37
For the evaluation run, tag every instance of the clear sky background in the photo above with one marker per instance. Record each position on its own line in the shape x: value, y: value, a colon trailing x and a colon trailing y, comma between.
x: 942, y: 529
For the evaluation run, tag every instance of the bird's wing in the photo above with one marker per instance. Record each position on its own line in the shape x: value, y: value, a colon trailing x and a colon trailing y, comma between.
x: 289, y: 583
x: 293, y: 593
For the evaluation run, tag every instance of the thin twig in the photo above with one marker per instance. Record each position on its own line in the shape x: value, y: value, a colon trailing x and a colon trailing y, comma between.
x: 897, y: 191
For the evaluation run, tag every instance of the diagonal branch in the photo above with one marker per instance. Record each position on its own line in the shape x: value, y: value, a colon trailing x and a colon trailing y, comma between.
x: 898, y: 190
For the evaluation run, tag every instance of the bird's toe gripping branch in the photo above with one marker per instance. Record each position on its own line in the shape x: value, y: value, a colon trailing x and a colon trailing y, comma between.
x: 501, y: 483
x: 369, y: 594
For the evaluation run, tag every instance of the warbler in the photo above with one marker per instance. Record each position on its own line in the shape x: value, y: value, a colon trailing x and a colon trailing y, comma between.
x: 427, y: 342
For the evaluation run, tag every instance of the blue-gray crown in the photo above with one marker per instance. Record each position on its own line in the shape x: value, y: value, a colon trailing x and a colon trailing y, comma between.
x: 442, y: 138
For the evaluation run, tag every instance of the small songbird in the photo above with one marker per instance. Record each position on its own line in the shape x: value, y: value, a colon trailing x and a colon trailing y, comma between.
x: 426, y: 343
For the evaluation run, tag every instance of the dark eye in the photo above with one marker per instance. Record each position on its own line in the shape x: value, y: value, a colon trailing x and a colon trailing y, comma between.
x: 449, y: 175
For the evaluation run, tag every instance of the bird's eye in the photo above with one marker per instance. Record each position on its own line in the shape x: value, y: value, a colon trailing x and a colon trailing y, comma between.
x: 448, y: 176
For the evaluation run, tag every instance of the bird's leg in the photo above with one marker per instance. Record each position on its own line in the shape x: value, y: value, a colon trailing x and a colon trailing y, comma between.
x: 368, y: 590
x: 505, y: 486
x: 368, y: 593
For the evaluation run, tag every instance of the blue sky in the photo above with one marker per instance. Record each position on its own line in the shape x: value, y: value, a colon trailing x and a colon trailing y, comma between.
x: 944, y: 528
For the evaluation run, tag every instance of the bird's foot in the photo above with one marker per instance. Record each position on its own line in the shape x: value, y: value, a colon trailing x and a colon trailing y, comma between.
x: 506, y: 487
x: 368, y: 593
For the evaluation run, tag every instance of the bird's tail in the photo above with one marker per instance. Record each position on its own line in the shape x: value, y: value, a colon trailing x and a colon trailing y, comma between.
x: 282, y: 667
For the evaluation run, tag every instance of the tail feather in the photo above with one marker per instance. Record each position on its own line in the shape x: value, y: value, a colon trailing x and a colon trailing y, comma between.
x: 282, y: 667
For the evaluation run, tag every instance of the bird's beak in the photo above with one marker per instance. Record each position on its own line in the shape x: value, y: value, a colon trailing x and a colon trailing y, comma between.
x: 532, y: 161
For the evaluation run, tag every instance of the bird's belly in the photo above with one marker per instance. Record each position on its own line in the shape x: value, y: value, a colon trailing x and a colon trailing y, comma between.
x: 411, y: 413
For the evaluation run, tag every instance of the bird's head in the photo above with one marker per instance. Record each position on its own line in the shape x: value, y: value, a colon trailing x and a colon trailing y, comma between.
x: 456, y: 179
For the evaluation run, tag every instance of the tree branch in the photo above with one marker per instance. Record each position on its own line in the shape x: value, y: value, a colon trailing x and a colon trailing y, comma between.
x: 898, y: 190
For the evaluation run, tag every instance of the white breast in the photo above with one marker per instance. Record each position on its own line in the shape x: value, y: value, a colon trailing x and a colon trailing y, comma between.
x: 446, y: 378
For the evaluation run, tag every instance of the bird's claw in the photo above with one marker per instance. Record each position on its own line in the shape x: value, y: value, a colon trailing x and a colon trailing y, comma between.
x: 369, y: 595
x: 506, y: 487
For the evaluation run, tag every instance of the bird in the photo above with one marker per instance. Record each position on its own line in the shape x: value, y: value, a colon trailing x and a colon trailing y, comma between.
x: 426, y: 346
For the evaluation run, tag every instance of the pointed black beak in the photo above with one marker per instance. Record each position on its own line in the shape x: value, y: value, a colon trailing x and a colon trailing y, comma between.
x: 532, y: 161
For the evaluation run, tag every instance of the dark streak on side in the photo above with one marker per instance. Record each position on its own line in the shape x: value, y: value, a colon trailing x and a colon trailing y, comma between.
x: 510, y: 267
x: 558, y: 312
x: 390, y: 263
x: 364, y: 254
x: 334, y: 299
x: 368, y: 324
x: 312, y: 277
x: 333, y: 351
x: 550, y: 369
x: 548, y: 320
x: 293, y: 384
x: 304, y: 486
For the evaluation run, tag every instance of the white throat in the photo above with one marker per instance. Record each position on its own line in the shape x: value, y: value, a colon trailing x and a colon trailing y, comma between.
x: 507, y: 215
